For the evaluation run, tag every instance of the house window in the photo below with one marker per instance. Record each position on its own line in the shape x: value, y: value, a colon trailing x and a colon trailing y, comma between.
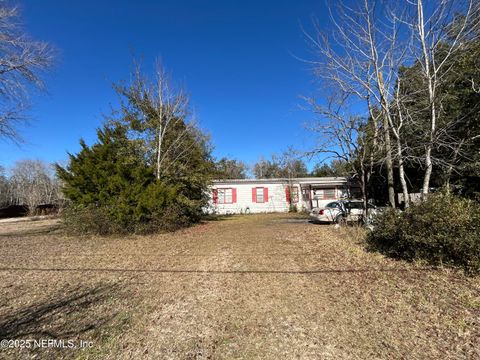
x: 328, y: 194
x: 260, y: 195
x: 225, y: 196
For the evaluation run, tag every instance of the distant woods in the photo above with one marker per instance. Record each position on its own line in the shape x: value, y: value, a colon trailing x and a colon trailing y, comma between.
x: 29, y: 183
x: 287, y: 165
x: 230, y: 169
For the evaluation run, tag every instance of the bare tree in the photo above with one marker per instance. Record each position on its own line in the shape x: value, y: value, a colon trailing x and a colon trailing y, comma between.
x: 161, y: 112
x: 401, y: 115
x: 360, y: 56
x: 33, y: 183
x: 436, y: 42
x: 344, y: 137
x: 22, y: 61
x: 4, y: 188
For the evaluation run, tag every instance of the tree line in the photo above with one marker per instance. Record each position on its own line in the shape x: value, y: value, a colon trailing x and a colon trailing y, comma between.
x: 286, y: 165
x: 29, y: 183
x: 399, y: 100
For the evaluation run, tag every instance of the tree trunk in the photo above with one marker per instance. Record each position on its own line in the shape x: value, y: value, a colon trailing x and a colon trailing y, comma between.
x: 428, y: 152
x: 159, y: 149
x: 431, y: 98
x: 401, y: 171
x: 389, y: 163
x: 428, y: 172
x: 363, y: 180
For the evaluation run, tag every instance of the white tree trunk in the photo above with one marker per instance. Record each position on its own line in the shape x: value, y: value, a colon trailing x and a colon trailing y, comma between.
x: 401, y: 171
x: 159, y: 152
x: 389, y: 163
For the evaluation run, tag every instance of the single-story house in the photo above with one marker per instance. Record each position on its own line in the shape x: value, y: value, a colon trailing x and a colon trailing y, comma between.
x: 240, y: 196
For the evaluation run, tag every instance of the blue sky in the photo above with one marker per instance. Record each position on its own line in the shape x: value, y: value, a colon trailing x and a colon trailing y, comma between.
x: 236, y: 59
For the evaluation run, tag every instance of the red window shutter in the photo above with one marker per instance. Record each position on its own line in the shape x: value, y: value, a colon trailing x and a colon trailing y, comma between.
x: 265, y: 194
x: 215, y: 196
x: 234, y: 195
x: 254, y: 195
x: 287, y: 194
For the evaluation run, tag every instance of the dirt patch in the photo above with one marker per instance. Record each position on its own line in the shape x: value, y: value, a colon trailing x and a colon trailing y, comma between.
x: 246, y: 287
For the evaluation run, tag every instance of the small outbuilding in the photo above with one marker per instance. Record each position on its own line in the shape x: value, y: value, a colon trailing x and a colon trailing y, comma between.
x: 243, y: 196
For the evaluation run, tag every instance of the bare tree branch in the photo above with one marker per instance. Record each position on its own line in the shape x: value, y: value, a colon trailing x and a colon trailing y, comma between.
x: 22, y: 63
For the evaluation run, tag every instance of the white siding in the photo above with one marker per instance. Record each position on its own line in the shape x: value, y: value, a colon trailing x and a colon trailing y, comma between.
x: 277, y: 201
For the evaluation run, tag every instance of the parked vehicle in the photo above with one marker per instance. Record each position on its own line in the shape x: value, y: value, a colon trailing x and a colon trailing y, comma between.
x: 344, y: 211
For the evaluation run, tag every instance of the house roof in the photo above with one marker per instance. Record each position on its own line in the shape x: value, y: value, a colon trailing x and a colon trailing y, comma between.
x: 302, y: 181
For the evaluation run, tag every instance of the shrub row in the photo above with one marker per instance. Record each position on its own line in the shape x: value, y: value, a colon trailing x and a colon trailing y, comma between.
x: 444, y: 229
x: 104, y: 221
x: 159, y: 207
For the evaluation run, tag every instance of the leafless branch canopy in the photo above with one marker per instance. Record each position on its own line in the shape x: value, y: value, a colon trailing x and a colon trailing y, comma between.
x: 160, y: 111
x: 22, y: 63
x: 362, y: 54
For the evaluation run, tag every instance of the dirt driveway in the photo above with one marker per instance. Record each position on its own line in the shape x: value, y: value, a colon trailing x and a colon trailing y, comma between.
x: 251, y: 287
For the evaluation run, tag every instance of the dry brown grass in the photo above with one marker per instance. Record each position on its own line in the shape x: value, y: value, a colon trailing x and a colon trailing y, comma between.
x: 251, y: 287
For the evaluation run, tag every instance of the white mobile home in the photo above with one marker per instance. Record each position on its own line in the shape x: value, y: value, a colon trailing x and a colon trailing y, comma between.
x: 240, y: 196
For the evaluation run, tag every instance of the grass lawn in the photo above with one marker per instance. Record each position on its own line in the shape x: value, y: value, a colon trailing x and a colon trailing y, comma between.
x: 251, y: 287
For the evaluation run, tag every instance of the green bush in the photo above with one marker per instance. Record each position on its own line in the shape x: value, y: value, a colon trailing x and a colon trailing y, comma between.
x: 87, y: 220
x: 106, y: 221
x: 444, y: 229
x: 112, y: 189
x: 158, y: 208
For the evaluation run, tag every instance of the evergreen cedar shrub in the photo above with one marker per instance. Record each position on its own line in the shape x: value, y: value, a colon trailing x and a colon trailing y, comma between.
x: 445, y: 229
x: 111, y: 189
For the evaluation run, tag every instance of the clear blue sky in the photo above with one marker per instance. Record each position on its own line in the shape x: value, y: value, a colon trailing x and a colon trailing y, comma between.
x: 236, y: 58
